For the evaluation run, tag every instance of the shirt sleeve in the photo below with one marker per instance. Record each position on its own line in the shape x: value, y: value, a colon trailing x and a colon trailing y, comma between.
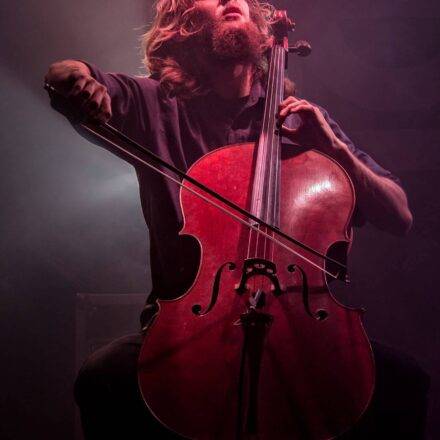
x: 131, y: 101
x: 127, y: 95
x: 361, y: 155
x: 358, y: 217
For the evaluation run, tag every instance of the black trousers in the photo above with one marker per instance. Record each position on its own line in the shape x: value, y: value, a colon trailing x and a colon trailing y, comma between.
x: 107, y: 393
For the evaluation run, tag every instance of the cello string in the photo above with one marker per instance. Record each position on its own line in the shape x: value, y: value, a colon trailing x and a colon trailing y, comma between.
x: 274, y: 154
x: 249, y: 244
x: 278, y: 146
x: 269, y: 145
x: 269, y: 157
x: 271, y: 96
x: 273, y: 140
x: 215, y: 204
x: 269, y: 160
x: 265, y: 130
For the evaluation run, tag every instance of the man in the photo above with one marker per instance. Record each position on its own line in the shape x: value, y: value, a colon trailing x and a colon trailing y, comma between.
x: 208, y: 63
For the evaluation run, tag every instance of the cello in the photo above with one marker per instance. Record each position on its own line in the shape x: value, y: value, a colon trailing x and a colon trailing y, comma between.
x: 258, y: 347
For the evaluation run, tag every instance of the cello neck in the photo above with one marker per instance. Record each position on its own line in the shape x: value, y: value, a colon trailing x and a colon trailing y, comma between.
x: 266, y: 184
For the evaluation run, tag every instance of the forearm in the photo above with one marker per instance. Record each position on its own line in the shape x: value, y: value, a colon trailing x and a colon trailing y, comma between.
x: 381, y: 200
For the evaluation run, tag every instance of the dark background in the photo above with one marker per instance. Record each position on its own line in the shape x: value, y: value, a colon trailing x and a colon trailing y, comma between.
x: 71, y: 220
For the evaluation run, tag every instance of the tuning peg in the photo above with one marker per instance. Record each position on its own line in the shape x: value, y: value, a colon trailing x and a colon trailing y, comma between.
x: 291, y: 25
x: 302, y: 48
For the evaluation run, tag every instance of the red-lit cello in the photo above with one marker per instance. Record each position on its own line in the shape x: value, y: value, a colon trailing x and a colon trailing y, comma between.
x: 258, y: 347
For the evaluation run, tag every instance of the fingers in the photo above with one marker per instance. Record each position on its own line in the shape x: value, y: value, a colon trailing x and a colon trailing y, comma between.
x: 87, y: 96
x: 89, y: 89
x: 64, y: 74
x: 288, y: 100
x: 83, y: 87
x: 98, y: 106
x: 79, y: 82
x: 301, y: 107
x: 92, y: 97
x: 305, y: 111
x: 294, y: 105
x: 290, y: 133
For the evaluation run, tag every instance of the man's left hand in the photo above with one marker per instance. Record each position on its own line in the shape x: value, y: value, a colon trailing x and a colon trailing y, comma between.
x: 313, y: 132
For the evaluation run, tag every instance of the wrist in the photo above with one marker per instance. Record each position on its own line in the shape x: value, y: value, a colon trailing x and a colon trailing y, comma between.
x: 339, y: 150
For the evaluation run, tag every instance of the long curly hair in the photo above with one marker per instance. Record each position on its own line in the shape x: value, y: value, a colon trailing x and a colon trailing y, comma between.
x: 168, y: 47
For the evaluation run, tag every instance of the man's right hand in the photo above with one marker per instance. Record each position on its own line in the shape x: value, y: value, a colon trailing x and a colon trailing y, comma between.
x: 89, y: 97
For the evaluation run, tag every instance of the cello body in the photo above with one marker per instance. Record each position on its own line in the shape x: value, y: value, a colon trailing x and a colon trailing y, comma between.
x: 218, y: 364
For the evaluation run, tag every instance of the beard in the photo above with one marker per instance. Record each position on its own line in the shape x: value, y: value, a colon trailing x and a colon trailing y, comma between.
x: 229, y: 42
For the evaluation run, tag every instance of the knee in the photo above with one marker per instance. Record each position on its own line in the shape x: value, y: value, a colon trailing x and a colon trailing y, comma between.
x: 105, y: 369
x: 89, y: 383
x: 420, y: 377
x: 400, y: 373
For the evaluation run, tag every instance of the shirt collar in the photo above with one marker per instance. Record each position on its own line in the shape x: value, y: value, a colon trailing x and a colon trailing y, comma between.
x: 257, y: 93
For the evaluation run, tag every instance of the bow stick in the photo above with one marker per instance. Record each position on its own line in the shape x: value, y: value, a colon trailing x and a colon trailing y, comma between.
x: 106, y: 132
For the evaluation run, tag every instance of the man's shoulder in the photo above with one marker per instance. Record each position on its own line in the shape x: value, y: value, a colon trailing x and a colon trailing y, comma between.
x: 150, y: 88
x: 120, y: 80
x: 142, y: 81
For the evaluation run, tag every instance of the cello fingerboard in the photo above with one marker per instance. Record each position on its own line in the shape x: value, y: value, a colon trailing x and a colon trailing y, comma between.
x: 266, y: 183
